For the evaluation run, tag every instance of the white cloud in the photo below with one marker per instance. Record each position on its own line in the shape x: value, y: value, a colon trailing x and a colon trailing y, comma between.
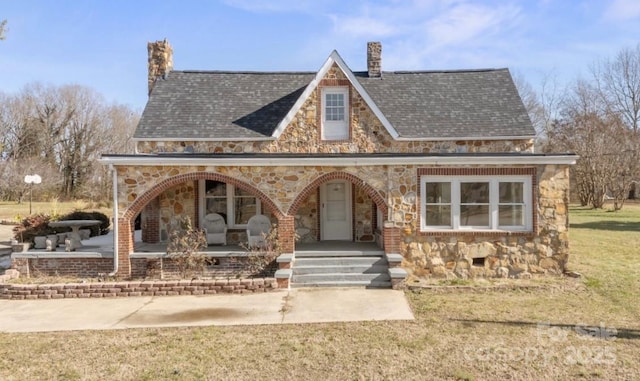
x: 304, y: 6
x: 467, y: 22
x: 623, y: 10
x: 363, y: 26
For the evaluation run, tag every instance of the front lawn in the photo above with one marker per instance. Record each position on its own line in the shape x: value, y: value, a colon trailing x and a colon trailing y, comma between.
x: 584, y: 329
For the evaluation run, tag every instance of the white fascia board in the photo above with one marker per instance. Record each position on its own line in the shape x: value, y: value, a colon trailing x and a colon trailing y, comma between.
x: 338, y: 161
x: 303, y: 97
x: 522, y: 137
x: 171, y: 139
x: 334, y: 57
x: 363, y: 93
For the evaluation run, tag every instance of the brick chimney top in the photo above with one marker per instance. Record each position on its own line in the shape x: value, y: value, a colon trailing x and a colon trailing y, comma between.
x: 374, y: 59
x: 160, y: 61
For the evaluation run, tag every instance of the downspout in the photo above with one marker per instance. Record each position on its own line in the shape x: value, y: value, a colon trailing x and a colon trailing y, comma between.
x: 115, y: 220
x: 389, y: 188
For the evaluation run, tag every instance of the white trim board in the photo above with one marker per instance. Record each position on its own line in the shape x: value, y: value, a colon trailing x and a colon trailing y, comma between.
x: 265, y: 161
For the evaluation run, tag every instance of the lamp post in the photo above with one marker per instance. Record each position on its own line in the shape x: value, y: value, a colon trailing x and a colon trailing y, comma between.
x: 31, y: 179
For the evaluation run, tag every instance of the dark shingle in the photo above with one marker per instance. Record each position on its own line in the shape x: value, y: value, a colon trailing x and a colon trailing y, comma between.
x: 237, y: 105
x: 450, y: 104
x: 220, y: 105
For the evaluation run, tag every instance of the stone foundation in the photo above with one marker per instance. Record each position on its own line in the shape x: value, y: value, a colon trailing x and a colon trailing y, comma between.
x: 480, y: 257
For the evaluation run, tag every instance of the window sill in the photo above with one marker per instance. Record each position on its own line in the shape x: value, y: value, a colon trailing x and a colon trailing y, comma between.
x: 476, y: 232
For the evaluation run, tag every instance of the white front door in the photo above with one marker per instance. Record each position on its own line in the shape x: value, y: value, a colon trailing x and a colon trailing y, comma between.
x: 335, y: 211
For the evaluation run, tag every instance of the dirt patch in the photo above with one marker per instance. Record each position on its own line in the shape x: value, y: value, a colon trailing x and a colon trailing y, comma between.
x: 189, y: 316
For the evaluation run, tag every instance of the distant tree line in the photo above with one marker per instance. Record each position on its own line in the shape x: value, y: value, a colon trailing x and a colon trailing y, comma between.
x: 59, y: 132
x: 3, y: 28
x: 597, y: 118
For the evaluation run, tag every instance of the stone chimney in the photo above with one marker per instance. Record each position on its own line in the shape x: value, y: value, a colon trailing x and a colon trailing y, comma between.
x: 374, y: 59
x: 160, y: 60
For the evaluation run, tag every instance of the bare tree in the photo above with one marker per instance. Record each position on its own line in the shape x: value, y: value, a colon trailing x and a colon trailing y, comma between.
x: 607, y: 148
x: 542, y: 105
x: 63, y: 130
x: 618, y: 83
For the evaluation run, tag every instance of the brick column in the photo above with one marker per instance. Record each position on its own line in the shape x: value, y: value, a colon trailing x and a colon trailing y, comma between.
x: 125, y: 247
x: 391, y: 238
x: 286, y: 234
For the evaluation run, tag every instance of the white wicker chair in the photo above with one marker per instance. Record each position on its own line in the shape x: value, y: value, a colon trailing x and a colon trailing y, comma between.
x: 258, y: 227
x: 215, y: 229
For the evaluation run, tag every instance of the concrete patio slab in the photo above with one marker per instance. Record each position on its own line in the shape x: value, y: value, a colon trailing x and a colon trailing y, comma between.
x: 280, y: 307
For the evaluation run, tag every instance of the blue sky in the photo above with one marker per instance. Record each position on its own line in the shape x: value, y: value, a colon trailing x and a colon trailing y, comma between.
x: 102, y: 44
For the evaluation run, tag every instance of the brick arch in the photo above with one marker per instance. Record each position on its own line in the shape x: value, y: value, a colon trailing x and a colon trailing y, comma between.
x: 142, y: 200
x: 371, y: 191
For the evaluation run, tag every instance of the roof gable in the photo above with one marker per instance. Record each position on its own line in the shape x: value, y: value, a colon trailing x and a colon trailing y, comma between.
x: 334, y: 58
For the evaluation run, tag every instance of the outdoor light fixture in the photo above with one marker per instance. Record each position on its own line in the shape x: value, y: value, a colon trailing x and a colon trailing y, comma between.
x: 32, y: 179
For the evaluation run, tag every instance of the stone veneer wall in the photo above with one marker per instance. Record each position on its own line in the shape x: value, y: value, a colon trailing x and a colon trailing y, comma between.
x: 502, y: 255
x: 177, y: 201
x: 545, y: 250
x: 302, y: 135
x: 363, y: 215
x: 306, y: 219
x: 282, y: 185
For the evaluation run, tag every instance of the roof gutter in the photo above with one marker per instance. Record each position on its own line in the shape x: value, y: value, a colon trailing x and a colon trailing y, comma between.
x: 261, y: 161
x: 399, y: 138
x: 183, y: 139
x: 455, y: 138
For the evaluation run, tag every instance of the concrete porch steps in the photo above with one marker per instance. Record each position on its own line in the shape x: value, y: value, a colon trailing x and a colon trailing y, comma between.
x: 350, y: 268
x: 340, y: 253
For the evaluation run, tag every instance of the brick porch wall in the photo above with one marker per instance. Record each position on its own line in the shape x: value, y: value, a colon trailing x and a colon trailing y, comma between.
x: 72, y: 267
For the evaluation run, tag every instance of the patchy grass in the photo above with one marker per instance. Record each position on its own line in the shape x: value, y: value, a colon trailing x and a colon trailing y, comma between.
x: 11, y: 211
x: 569, y: 329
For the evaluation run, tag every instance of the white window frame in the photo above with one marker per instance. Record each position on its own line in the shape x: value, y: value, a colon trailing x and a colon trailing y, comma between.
x: 341, y: 126
x: 231, y: 213
x: 494, y: 194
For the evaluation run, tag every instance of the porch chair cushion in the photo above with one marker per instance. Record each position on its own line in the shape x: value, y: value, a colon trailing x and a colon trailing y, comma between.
x: 215, y: 229
x: 258, y: 227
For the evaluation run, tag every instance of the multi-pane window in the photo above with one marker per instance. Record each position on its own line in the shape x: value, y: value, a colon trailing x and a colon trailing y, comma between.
x: 216, y: 198
x: 245, y: 206
x: 511, y: 207
x: 335, y: 113
x: 476, y: 203
x: 334, y: 106
x: 438, y: 204
x: 235, y: 205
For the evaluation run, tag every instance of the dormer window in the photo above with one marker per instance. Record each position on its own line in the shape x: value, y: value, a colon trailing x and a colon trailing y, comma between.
x: 335, y: 113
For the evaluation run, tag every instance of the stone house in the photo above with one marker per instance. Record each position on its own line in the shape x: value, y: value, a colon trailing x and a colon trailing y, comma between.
x: 434, y: 169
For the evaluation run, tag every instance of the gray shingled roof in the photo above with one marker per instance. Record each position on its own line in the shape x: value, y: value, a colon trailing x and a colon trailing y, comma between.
x: 239, y: 105
x: 220, y: 105
x: 450, y: 104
